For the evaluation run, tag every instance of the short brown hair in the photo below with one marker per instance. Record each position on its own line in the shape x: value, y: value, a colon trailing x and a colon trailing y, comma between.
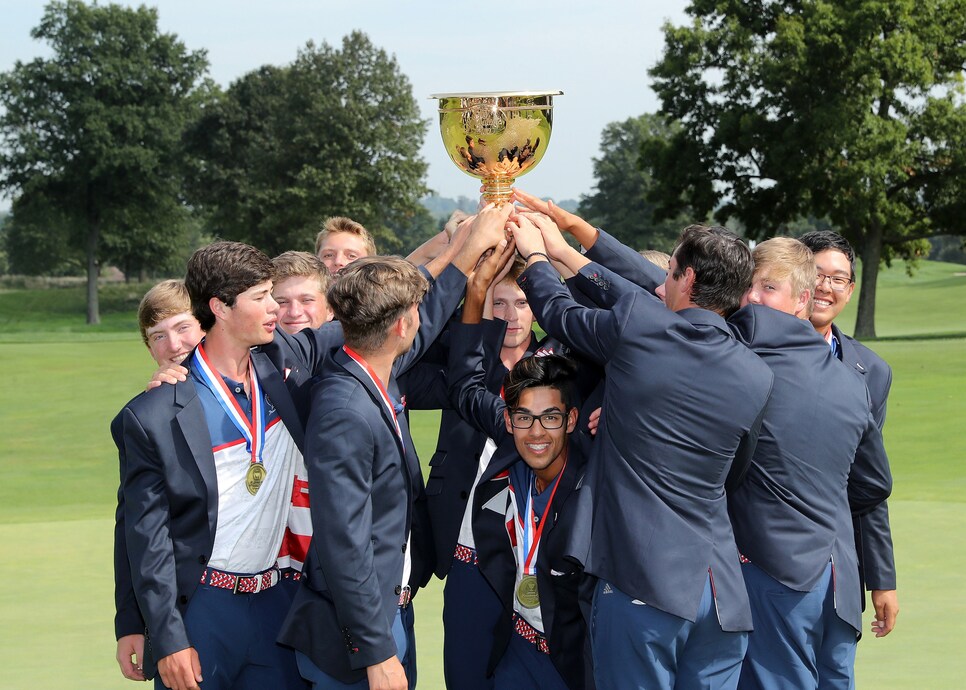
x: 722, y: 265
x: 517, y: 267
x: 301, y: 265
x: 223, y: 270
x: 337, y: 224
x: 166, y: 299
x: 785, y: 258
x: 369, y: 295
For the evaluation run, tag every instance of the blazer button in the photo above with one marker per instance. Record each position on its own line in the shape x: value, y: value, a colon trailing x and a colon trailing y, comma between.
x: 183, y: 599
x: 398, y: 589
x: 202, y: 559
x: 404, y: 548
x: 464, y: 495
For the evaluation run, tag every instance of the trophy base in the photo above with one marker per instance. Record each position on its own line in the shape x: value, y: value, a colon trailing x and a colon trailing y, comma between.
x: 498, y: 190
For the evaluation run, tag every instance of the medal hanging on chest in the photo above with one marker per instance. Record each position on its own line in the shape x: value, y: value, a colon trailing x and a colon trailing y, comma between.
x: 528, y: 592
x: 252, y: 430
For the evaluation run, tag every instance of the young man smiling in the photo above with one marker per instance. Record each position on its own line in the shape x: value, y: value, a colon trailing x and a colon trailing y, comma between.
x: 835, y: 283
x: 791, y: 513
x: 524, y: 502
x: 301, y: 281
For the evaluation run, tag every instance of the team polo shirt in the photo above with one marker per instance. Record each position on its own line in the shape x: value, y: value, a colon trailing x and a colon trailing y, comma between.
x: 249, y: 529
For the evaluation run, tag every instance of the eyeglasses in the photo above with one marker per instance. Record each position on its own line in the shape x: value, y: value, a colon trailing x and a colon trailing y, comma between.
x: 837, y: 283
x: 549, y: 421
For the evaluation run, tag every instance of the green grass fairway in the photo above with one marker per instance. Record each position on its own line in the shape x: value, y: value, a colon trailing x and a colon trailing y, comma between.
x: 63, y: 383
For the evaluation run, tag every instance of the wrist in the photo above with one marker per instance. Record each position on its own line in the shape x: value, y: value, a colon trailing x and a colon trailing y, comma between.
x: 533, y: 254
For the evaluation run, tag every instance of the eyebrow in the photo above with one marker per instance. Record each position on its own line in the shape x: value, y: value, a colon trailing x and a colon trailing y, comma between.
x: 546, y: 411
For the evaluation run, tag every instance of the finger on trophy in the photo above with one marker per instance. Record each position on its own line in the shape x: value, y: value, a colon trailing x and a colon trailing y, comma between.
x: 531, y: 202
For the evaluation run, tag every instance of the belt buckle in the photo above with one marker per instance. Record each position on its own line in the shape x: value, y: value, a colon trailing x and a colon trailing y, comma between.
x: 234, y: 590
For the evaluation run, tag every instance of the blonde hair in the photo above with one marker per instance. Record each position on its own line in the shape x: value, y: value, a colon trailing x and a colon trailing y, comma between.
x: 301, y: 265
x: 659, y: 259
x: 785, y: 258
x: 337, y: 224
x: 166, y: 299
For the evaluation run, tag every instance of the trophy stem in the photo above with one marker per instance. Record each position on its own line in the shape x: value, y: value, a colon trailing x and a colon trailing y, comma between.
x: 498, y: 190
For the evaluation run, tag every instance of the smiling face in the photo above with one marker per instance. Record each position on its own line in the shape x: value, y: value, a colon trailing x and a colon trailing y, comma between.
x: 829, y: 303
x: 777, y: 294
x: 510, y: 304
x: 301, y: 304
x: 171, y: 339
x: 544, y: 450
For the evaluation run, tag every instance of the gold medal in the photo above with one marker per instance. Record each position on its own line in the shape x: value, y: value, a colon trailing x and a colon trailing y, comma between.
x: 255, y: 476
x: 527, y: 593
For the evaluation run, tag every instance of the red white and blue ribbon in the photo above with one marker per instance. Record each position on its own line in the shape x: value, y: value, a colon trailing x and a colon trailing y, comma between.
x: 529, y: 531
x: 252, y: 430
x: 384, y: 394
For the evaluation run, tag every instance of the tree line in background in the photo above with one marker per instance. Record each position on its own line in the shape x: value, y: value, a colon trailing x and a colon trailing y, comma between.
x: 777, y: 116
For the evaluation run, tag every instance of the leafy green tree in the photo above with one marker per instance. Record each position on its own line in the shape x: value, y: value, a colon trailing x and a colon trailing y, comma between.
x: 850, y: 111
x: 337, y: 132
x: 95, y: 130
x: 620, y: 203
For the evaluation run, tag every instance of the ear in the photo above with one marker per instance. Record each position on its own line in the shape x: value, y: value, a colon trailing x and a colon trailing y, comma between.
x: 688, y: 279
x: 849, y: 291
x: 804, y: 299
x: 506, y: 419
x: 218, y: 308
x: 572, y: 419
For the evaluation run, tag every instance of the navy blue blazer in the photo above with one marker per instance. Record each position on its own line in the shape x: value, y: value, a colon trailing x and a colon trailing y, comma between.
x: 367, y: 494
x: 561, y: 582
x: 168, y: 505
x: 682, y: 400
x: 795, y: 496
x: 152, y: 588
x: 872, y: 532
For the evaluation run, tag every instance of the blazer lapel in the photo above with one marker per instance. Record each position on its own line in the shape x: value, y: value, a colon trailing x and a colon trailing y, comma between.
x: 194, y: 427
x: 850, y: 355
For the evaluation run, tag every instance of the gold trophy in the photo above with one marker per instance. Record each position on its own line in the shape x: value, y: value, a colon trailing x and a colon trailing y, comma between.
x: 496, y: 137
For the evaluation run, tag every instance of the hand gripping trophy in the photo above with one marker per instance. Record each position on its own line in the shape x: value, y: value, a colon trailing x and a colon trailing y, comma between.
x: 496, y: 137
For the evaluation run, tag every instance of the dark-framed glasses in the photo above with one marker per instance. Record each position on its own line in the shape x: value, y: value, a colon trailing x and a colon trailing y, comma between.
x: 549, y: 421
x: 837, y: 283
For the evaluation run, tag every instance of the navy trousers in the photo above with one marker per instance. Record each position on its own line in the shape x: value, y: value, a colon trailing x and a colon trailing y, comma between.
x: 402, y: 632
x: 799, y: 641
x: 639, y: 646
x: 234, y: 635
x: 471, y: 610
x: 523, y: 666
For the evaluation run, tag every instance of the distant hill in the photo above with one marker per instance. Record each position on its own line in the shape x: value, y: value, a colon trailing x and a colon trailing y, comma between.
x: 440, y: 207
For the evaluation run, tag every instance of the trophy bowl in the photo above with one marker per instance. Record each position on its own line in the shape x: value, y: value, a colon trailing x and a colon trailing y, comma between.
x: 496, y: 137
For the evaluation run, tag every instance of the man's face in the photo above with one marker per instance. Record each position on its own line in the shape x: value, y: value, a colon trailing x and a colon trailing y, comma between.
x: 675, y: 292
x: 510, y: 304
x: 774, y: 293
x: 301, y: 304
x: 340, y: 249
x: 170, y: 340
x: 542, y: 448
x: 254, y: 316
x: 828, y: 302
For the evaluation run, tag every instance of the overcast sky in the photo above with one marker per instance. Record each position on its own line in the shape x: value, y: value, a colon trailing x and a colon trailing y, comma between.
x: 597, y: 53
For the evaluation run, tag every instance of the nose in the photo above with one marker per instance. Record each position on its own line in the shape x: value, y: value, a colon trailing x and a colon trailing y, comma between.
x: 511, y: 313
x: 660, y: 291
x: 753, y: 296
x: 272, y: 305
x: 295, y: 308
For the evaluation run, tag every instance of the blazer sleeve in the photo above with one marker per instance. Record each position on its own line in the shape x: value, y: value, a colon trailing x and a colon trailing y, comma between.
x: 467, y: 377
x: 621, y: 259
x: 150, y: 546
x: 127, y: 616
x: 435, y: 311
x: 592, y: 332
x: 870, y: 478
x: 339, y: 456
